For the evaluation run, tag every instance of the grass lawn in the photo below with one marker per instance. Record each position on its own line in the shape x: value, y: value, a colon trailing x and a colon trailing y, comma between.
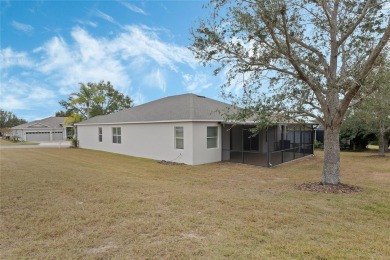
x: 77, y: 204
x: 7, y: 143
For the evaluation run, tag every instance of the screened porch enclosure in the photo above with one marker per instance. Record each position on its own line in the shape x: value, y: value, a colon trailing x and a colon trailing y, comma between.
x: 275, y: 145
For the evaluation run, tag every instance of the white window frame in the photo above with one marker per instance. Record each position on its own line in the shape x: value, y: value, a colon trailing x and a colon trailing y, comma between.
x: 116, y: 137
x: 178, y: 137
x: 100, y: 134
x: 211, y: 137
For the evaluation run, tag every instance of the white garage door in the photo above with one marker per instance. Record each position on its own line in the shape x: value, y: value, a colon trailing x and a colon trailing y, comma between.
x: 37, y: 136
x: 57, y: 136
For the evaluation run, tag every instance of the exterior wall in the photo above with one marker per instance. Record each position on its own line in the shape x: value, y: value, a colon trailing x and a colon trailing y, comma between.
x: 19, y: 132
x: 202, y: 154
x: 154, y: 141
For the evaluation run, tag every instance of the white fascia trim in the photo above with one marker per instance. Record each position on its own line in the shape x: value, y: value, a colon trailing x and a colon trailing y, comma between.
x: 37, y: 129
x: 149, y: 122
x: 37, y: 124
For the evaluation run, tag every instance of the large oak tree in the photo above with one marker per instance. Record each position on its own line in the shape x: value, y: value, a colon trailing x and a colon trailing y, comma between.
x: 314, y: 56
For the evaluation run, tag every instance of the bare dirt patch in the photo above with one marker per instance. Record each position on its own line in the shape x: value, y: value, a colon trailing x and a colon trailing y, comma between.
x: 321, y: 188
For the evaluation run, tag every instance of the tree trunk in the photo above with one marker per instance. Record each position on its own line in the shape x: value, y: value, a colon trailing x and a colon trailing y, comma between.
x: 387, y: 143
x: 381, y: 142
x: 381, y: 139
x: 331, y: 170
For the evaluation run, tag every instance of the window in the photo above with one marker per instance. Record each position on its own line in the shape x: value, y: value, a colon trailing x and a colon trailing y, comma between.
x: 116, y: 135
x: 179, y: 137
x: 100, y: 130
x: 212, y: 137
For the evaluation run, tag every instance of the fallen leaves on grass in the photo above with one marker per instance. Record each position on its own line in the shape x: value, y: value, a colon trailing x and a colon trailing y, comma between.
x: 329, y: 188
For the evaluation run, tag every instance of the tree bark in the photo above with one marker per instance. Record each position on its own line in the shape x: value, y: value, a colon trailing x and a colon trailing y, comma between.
x: 331, y: 170
x: 381, y: 140
x: 387, y: 143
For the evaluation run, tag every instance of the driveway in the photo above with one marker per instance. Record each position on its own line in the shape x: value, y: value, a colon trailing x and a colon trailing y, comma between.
x: 56, y: 144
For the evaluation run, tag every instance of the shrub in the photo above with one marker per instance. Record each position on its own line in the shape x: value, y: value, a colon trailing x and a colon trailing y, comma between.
x: 318, y: 144
x: 75, y: 143
x: 14, y: 138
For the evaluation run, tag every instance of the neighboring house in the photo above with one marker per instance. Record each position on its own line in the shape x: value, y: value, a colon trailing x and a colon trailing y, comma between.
x: 47, y: 129
x: 190, y: 129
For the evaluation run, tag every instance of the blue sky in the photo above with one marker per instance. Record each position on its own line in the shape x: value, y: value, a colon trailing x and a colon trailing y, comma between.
x: 48, y: 47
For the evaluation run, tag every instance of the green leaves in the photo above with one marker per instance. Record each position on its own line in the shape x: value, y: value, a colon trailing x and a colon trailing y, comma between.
x: 298, y: 46
x: 9, y: 119
x: 95, y: 99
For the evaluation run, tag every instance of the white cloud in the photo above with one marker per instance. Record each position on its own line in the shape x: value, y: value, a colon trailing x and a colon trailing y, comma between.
x: 12, y: 102
x: 133, y: 8
x: 9, y: 58
x: 156, y: 79
x: 88, y: 59
x: 22, y: 27
x: 86, y: 22
x: 25, y: 93
x: 136, y: 56
x: 196, y: 83
x: 89, y: 47
x: 138, y: 98
x: 143, y: 41
x: 41, y: 94
x: 95, y: 59
x: 57, y: 55
x: 104, y: 16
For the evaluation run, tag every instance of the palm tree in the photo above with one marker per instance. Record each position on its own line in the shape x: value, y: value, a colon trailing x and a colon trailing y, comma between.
x: 85, y: 97
x: 71, y: 120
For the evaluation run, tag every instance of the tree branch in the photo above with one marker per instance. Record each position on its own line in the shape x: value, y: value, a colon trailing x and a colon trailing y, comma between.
x: 292, y: 59
x: 312, y: 49
x: 366, y: 69
x: 354, y: 25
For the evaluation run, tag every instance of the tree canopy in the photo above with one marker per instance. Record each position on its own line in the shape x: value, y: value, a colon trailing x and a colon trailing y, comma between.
x: 372, y: 114
x: 302, y: 57
x: 8, y: 120
x: 95, y: 99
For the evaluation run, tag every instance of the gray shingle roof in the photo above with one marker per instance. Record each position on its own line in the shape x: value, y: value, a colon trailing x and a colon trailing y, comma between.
x: 50, y: 122
x: 174, y: 108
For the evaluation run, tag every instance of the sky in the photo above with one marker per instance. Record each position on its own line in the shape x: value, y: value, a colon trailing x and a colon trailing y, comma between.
x: 141, y: 47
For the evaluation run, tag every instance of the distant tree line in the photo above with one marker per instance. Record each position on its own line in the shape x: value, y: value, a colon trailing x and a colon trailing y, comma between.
x: 369, y: 119
x: 8, y: 120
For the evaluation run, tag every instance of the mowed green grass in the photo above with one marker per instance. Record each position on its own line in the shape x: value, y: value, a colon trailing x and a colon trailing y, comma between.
x: 82, y: 204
